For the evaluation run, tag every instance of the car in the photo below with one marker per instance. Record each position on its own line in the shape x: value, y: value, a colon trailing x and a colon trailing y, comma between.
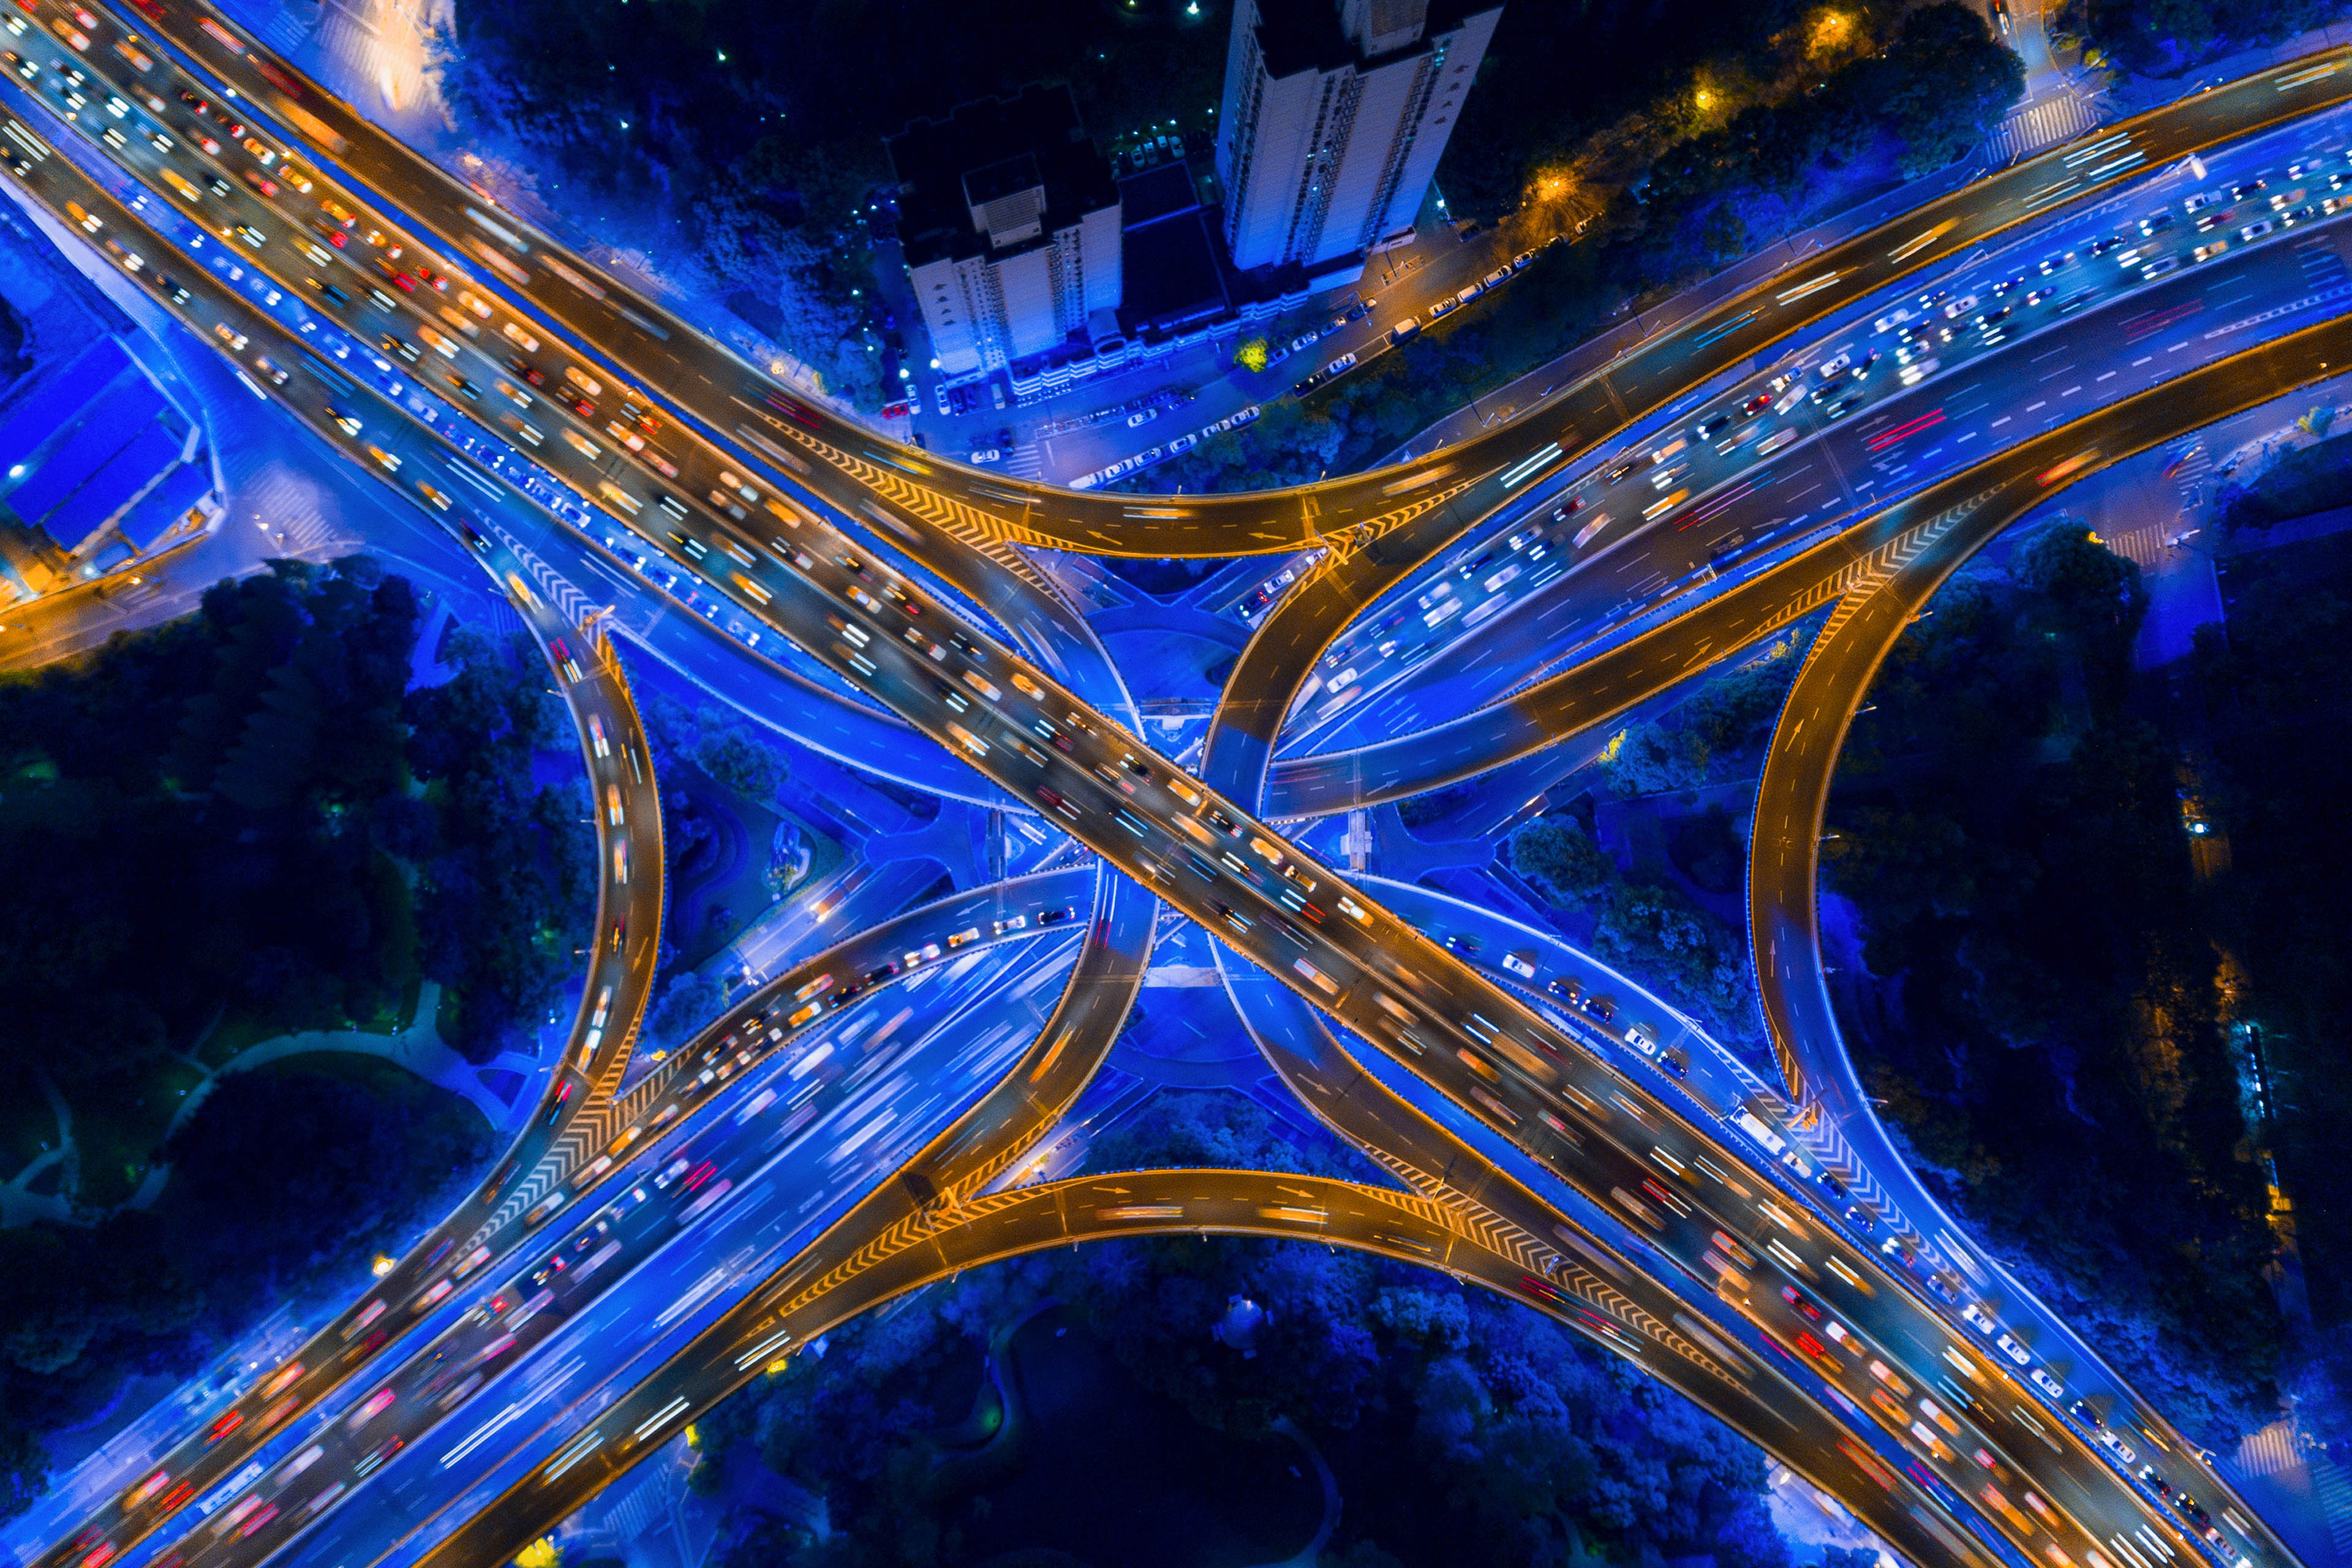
x: 2199, y: 203
x: 2256, y: 230
x: 987, y: 455
x: 1707, y: 428
x: 1496, y: 276
x: 2013, y: 1351
x: 1756, y: 404
x: 1184, y: 443
x: 2056, y: 261
x: 344, y: 422
x: 2156, y: 223
x: 2153, y: 1478
x: 1138, y: 420
x: 2117, y: 1446
x: 1344, y: 362
x: 2208, y: 252
x: 2158, y: 268
x: 2081, y: 1411
x: 1807, y: 1308
x: 1303, y: 341
x: 2049, y: 1385
x: 1979, y: 1318
x: 1441, y: 308
x: 2245, y: 188
x: 1859, y: 1217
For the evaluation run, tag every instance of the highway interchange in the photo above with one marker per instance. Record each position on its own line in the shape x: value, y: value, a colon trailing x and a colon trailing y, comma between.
x: 494, y: 378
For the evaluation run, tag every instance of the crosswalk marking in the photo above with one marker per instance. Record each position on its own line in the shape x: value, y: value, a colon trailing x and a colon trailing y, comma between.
x: 2335, y: 1491
x: 2269, y: 1450
x: 2045, y: 123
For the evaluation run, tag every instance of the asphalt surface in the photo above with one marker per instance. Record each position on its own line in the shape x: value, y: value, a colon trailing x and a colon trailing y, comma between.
x: 829, y: 605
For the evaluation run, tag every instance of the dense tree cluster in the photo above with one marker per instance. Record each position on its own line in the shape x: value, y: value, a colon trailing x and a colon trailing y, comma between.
x: 1646, y: 920
x: 1932, y: 94
x: 2168, y: 36
x: 1725, y: 723
x: 505, y: 868
x: 214, y: 820
x: 192, y: 821
x: 1462, y: 1429
x: 282, y: 1179
x: 244, y: 819
x: 2048, y: 1029
x: 2277, y: 713
x: 2314, y: 478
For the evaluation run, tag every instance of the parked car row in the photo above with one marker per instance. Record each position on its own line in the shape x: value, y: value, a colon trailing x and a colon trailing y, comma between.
x: 1170, y: 448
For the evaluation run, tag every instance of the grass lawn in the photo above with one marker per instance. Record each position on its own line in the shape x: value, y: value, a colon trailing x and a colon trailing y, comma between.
x: 235, y: 1033
x: 28, y: 1128
x: 119, y: 1129
x: 741, y: 886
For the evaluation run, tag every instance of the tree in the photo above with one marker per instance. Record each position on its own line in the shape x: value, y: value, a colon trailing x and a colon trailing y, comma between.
x: 1561, y: 855
x: 737, y: 762
x: 689, y: 1003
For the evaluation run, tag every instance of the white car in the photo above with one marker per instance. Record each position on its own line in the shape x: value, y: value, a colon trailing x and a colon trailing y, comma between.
x: 1183, y: 444
x: 2116, y: 1446
x: 987, y: 455
x: 2054, y: 1389
x: 1146, y: 418
x: 1979, y: 1318
x: 2013, y: 1351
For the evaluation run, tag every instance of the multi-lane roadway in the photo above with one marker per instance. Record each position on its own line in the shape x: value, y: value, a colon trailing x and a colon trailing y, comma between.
x: 868, y: 626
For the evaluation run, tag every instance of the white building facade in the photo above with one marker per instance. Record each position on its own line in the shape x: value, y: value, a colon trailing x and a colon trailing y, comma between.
x: 1009, y: 220
x: 1334, y: 118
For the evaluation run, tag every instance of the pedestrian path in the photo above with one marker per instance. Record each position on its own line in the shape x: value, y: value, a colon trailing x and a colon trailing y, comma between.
x: 2030, y: 127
